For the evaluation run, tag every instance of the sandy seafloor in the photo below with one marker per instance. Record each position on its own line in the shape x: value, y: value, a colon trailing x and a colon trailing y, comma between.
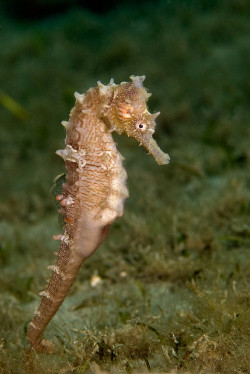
x: 173, y: 295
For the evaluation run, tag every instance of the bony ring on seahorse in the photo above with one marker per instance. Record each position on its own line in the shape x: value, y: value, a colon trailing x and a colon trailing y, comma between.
x: 95, y: 190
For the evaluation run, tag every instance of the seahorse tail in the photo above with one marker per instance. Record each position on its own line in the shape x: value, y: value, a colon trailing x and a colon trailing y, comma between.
x: 64, y: 274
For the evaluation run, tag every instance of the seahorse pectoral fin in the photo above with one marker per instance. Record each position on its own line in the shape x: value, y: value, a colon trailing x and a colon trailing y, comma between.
x: 152, y: 147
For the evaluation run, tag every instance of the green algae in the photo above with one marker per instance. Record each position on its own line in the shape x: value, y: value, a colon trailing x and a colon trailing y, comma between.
x: 174, y: 289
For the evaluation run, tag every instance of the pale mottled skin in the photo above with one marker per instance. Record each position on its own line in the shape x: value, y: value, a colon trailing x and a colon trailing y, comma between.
x: 95, y: 191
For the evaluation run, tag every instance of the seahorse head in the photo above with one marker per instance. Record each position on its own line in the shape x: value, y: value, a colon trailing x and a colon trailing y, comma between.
x: 128, y: 113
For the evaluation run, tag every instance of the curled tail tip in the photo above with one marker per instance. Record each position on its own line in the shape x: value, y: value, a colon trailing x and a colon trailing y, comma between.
x: 45, y: 346
x: 42, y: 346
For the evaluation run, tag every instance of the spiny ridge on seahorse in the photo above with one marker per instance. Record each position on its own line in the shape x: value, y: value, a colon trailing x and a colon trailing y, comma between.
x: 95, y: 190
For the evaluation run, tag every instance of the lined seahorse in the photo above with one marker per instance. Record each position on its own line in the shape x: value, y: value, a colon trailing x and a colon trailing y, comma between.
x: 95, y: 190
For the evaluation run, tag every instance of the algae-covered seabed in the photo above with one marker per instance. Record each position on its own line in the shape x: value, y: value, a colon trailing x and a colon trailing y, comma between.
x: 174, y: 290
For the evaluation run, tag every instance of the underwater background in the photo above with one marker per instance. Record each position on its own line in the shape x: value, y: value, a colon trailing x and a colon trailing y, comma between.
x: 168, y: 291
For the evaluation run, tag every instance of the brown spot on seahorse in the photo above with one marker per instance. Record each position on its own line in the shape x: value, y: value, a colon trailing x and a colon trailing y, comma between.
x: 95, y: 190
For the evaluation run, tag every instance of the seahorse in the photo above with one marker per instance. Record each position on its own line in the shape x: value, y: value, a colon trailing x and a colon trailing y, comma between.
x: 95, y: 190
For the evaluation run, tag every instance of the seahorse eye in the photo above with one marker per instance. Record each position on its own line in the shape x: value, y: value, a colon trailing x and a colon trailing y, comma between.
x: 141, y: 126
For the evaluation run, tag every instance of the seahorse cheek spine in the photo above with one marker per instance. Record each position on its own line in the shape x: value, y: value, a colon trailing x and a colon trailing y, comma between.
x: 95, y: 190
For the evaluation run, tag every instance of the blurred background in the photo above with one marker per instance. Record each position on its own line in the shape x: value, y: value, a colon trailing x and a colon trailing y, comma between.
x: 173, y: 280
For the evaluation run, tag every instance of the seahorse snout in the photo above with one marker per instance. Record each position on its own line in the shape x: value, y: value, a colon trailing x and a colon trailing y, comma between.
x: 152, y: 147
